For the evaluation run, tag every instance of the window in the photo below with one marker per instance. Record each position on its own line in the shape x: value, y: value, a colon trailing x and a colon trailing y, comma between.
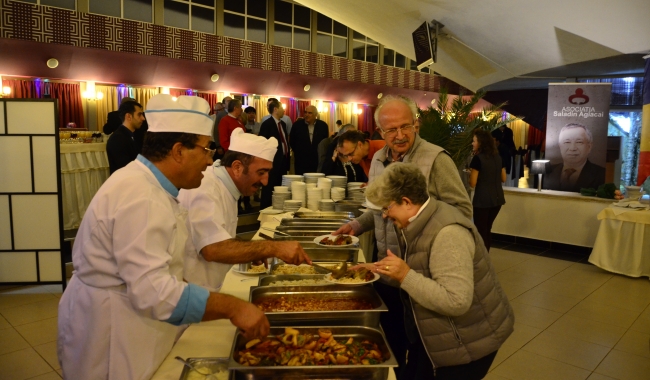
x: 67, y: 4
x: 392, y: 58
x: 140, y: 10
x: 292, y: 26
x: 364, y: 48
x: 332, y: 37
x: 190, y: 14
x: 245, y: 19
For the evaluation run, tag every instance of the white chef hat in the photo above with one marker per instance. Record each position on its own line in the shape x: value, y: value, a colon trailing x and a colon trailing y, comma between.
x: 252, y: 144
x: 188, y: 114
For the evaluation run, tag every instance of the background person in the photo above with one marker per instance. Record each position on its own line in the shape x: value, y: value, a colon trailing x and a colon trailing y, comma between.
x: 251, y: 125
x: 275, y: 127
x: 456, y: 313
x: 229, y: 123
x: 304, y: 138
x: 487, y: 173
x: 120, y: 147
x: 356, y: 146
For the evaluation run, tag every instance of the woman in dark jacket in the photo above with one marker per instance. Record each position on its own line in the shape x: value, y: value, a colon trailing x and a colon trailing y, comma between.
x: 486, y: 176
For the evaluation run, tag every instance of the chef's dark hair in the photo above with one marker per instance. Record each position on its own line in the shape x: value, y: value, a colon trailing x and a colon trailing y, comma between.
x: 231, y: 156
x: 127, y: 107
x: 157, y: 145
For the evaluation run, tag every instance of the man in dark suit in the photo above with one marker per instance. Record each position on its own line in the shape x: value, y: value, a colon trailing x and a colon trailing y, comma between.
x: 113, y: 122
x: 275, y: 127
x: 305, y: 136
x: 121, y: 148
x: 576, y: 172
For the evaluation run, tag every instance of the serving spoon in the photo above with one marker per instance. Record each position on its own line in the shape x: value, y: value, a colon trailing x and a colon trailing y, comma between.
x: 337, y: 272
x: 208, y: 376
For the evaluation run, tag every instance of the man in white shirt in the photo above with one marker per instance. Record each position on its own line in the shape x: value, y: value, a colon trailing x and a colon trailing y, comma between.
x: 212, y: 213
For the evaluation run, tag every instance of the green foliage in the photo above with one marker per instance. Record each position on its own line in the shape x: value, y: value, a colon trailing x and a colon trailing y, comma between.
x: 451, y: 124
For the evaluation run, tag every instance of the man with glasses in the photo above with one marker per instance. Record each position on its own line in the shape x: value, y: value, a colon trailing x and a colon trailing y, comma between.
x: 120, y: 314
x: 395, y: 117
x: 359, y: 150
x: 304, y: 138
x: 212, y: 213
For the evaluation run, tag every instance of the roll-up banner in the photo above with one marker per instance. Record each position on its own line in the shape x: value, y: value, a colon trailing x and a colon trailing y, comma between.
x: 576, y: 135
x: 644, y: 155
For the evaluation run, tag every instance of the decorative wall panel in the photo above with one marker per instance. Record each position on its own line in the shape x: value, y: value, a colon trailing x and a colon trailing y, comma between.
x: 53, y: 25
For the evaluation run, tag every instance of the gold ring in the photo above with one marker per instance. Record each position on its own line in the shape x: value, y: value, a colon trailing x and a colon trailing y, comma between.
x: 387, y: 267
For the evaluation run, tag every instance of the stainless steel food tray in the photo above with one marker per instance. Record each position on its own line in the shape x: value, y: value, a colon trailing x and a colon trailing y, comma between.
x: 306, y: 231
x: 212, y: 364
x: 320, y: 253
x: 311, y: 221
x: 339, y: 372
x: 266, y: 280
x: 324, y: 215
x: 275, y: 262
x: 312, y: 318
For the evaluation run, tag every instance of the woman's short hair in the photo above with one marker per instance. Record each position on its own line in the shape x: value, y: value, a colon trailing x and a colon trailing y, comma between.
x: 397, y: 181
x: 486, y: 142
x: 157, y: 145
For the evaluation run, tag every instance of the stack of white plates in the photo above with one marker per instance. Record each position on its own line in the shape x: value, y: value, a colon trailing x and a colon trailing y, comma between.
x: 314, y: 195
x: 355, y: 191
x: 326, y: 205
x: 338, y: 180
x: 311, y: 185
x: 338, y: 193
x: 326, y: 185
x: 281, y: 189
x: 288, y: 178
x: 298, y: 192
x: 313, y: 177
x: 278, y: 199
x: 292, y: 205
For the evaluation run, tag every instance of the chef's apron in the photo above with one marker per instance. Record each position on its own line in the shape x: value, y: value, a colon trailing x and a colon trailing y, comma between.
x: 137, y: 343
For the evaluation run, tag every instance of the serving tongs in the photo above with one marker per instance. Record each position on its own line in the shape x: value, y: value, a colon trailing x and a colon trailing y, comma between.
x: 208, y: 376
x: 276, y: 231
x: 337, y: 272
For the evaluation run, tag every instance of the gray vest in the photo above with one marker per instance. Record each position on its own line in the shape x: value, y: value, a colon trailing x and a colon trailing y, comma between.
x: 489, y: 192
x: 423, y: 154
x: 489, y: 320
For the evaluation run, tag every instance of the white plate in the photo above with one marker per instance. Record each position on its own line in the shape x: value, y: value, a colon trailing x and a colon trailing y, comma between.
x: 355, y: 240
x: 328, y: 278
x: 249, y: 273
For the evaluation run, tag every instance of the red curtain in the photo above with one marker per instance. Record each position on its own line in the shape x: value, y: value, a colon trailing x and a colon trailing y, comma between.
x: 291, y: 108
x: 177, y: 92
x: 70, y: 108
x: 211, y: 98
x: 302, y: 106
x: 366, y: 120
x: 23, y: 88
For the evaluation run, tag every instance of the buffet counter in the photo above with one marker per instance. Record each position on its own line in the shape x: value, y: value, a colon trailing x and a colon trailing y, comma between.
x: 215, y: 338
x: 554, y: 216
x: 84, y: 168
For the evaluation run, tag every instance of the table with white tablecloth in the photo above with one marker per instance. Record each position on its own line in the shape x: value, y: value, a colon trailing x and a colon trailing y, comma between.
x: 623, y: 242
x: 215, y: 338
x: 84, y: 168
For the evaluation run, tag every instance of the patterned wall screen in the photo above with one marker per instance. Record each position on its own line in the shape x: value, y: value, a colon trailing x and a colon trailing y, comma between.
x: 30, y: 192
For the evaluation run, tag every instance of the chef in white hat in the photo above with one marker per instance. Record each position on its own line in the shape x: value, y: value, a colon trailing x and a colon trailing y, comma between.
x: 212, y: 213
x: 120, y: 313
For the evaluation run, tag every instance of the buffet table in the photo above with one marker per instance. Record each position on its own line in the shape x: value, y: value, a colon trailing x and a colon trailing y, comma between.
x: 623, y: 242
x: 84, y: 168
x: 215, y: 338
x: 555, y: 216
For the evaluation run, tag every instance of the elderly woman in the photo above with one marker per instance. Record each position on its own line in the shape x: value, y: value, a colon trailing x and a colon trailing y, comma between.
x: 456, y: 315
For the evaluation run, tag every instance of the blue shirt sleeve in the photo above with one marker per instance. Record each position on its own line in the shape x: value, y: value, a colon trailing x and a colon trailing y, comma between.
x: 191, y: 306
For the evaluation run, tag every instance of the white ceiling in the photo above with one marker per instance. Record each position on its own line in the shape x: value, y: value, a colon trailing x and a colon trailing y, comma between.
x: 491, y: 41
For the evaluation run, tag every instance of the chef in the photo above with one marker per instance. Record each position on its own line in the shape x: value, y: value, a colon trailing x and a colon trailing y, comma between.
x: 212, y: 213
x: 118, y: 317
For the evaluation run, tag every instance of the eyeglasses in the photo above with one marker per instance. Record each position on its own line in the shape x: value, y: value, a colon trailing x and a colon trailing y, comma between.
x: 351, y: 154
x: 384, y: 210
x: 207, y: 151
x: 393, y: 131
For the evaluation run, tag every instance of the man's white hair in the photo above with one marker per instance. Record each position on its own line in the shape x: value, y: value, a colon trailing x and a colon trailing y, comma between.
x: 391, y: 98
x: 590, y: 137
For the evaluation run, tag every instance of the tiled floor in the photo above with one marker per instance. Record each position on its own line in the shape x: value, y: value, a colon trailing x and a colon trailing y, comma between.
x: 573, y: 321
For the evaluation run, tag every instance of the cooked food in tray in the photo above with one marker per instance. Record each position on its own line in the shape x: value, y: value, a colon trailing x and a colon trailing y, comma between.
x: 295, y: 269
x: 295, y: 349
x: 351, y: 276
x: 337, y: 240
x: 257, y: 269
x: 311, y: 281
x: 311, y: 302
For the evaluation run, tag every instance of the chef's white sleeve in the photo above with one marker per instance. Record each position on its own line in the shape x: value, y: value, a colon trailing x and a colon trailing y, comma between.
x: 206, y: 216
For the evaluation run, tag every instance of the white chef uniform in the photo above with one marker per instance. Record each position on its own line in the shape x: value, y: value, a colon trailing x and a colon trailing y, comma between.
x: 212, y: 210
x: 118, y: 317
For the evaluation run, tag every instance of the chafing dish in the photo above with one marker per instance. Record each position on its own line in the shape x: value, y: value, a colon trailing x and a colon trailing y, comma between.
x: 329, y: 255
x: 329, y: 223
x: 349, y: 206
x: 339, y: 372
x: 268, y: 279
x: 302, y: 231
x: 276, y: 262
x: 324, y: 215
x: 214, y: 365
x: 312, y: 318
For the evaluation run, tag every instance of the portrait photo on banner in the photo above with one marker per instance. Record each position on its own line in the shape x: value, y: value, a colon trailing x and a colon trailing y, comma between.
x: 576, y: 135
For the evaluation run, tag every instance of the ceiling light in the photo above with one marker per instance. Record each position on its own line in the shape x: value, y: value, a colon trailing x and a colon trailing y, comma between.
x: 380, y: 95
x: 214, y: 77
x: 52, y: 63
x: 307, y: 87
x: 433, y: 102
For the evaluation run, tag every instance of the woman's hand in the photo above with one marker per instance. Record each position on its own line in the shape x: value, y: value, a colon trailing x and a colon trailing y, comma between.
x: 393, y: 267
x: 369, y: 266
